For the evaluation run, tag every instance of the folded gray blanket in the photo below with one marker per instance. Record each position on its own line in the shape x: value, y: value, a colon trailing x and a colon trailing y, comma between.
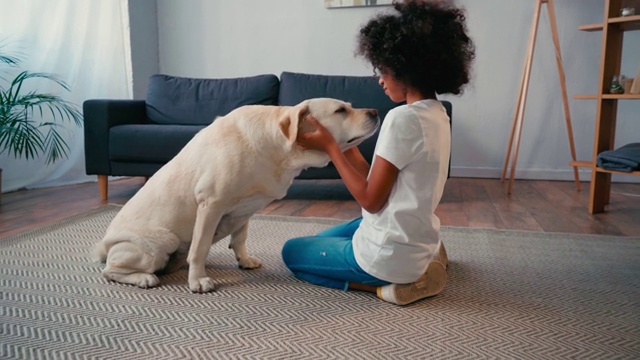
x: 626, y: 158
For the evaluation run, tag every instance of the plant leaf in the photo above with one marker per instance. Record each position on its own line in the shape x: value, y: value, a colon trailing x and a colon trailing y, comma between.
x: 20, y: 134
x: 54, y: 145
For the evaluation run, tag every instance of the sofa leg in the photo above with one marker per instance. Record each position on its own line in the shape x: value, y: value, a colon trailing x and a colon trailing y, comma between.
x: 103, y: 185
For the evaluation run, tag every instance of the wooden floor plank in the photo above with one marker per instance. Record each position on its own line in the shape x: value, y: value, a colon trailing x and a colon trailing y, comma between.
x: 478, y: 206
x: 348, y: 210
x: 321, y: 208
x: 285, y: 207
x: 513, y: 215
x: 568, y: 206
x: 451, y: 208
x: 623, y: 210
x: 543, y: 210
x: 555, y: 206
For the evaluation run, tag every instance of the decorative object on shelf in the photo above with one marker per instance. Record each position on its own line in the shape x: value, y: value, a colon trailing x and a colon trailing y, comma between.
x: 627, y: 84
x: 625, y: 158
x: 22, y: 135
x: 635, y: 86
x: 355, y: 3
x: 516, y: 129
x: 628, y: 11
x: 616, y: 87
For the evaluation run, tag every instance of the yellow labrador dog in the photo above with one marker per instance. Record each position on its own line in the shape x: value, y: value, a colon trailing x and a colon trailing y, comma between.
x: 229, y: 171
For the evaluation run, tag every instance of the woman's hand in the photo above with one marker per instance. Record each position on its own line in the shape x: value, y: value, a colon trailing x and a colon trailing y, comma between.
x: 319, y: 139
x: 371, y: 193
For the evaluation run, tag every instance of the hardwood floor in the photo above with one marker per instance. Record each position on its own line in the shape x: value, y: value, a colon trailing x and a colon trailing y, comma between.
x: 550, y: 206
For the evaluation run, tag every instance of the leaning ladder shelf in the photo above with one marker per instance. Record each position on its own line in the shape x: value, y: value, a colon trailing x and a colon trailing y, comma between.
x: 518, y: 117
x: 613, y: 28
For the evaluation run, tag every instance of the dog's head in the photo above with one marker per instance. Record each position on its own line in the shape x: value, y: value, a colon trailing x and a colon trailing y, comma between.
x: 348, y: 125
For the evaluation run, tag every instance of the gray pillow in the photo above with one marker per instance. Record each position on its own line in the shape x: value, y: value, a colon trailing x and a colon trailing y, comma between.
x: 191, y: 101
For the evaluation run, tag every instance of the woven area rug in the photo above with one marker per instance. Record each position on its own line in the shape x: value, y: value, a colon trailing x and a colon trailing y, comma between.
x: 510, y: 295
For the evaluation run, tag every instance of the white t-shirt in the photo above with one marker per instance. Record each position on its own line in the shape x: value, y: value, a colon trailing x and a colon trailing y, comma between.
x: 397, y: 243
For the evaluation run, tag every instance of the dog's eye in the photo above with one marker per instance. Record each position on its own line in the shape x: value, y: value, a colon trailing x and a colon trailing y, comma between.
x: 341, y: 110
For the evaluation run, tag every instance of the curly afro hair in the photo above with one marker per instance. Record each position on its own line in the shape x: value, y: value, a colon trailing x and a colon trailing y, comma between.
x: 423, y: 44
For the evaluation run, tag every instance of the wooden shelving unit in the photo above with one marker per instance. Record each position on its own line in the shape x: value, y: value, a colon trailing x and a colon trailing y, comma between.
x: 613, y: 28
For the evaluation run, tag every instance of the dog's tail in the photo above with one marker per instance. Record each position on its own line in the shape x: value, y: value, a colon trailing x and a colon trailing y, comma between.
x: 99, y: 252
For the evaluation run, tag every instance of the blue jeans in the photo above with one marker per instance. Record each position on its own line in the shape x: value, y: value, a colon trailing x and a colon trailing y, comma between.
x: 327, y: 259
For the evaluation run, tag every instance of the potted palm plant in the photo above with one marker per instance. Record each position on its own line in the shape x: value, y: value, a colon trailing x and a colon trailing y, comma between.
x: 31, y: 121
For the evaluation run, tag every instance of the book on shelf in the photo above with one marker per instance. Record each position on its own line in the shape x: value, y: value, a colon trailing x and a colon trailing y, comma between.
x: 635, y: 86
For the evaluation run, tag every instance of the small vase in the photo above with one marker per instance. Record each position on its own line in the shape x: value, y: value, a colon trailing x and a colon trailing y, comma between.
x: 616, y: 87
x: 628, y: 11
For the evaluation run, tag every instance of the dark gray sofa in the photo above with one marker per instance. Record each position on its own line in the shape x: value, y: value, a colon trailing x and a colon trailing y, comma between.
x: 137, y: 137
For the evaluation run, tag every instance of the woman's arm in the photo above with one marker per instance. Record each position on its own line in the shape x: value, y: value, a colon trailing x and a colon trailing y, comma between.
x: 357, y: 161
x: 371, y: 194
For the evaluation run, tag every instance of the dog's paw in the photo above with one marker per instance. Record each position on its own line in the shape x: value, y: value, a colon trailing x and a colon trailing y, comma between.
x: 249, y: 263
x: 202, y: 285
x: 146, y: 281
x: 142, y: 280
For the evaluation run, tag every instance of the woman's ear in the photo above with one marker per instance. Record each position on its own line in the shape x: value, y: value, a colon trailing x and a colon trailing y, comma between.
x: 290, y: 124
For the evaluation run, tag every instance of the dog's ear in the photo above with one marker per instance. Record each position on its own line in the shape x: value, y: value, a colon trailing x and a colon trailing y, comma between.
x: 290, y: 124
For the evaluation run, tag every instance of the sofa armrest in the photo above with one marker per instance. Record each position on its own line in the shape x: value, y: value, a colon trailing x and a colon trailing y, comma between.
x: 99, y: 116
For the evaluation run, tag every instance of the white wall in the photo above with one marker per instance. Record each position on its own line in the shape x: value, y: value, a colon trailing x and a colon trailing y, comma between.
x: 226, y: 38
x: 143, y: 35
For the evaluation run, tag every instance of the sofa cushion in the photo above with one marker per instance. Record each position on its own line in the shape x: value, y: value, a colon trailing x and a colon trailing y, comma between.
x: 360, y: 91
x: 190, y: 101
x: 149, y: 142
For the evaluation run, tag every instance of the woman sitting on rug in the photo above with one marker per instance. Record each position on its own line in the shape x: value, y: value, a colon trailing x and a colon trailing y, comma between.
x: 394, y: 250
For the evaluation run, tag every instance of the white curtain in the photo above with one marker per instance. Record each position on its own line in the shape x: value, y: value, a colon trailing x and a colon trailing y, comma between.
x: 85, y: 43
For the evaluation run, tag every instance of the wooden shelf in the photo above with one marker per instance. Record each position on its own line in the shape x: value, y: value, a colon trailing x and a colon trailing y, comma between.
x: 620, y: 96
x: 586, y: 97
x: 580, y: 163
x: 626, y: 23
x: 608, y: 97
x: 633, y: 173
x: 591, y: 27
x: 612, y: 29
x: 589, y: 164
